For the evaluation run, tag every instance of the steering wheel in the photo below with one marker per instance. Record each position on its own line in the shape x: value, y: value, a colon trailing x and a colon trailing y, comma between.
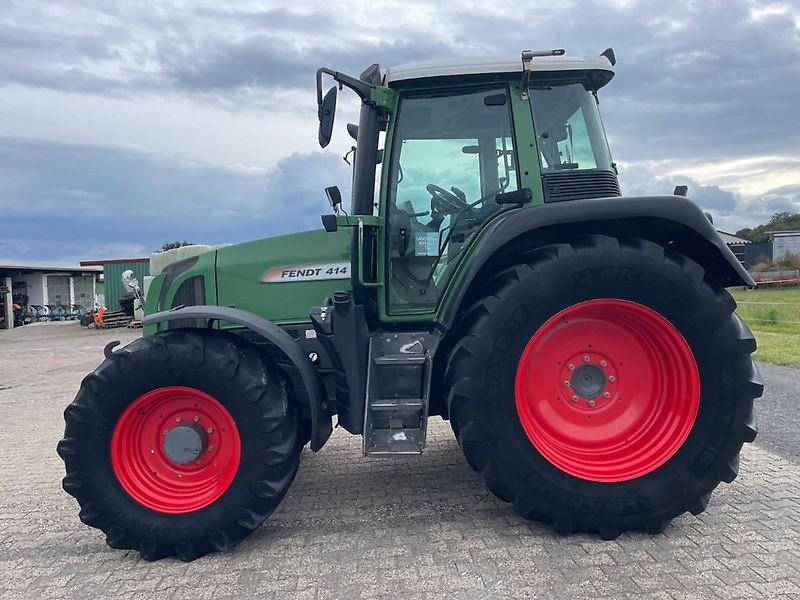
x: 444, y: 202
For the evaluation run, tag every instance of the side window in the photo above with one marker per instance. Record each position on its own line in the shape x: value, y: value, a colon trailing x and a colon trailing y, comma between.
x: 576, y: 148
x: 452, y: 153
x: 568, y: 129
x: 429, y: 161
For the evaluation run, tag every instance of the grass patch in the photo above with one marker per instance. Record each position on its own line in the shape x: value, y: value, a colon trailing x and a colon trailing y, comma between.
x: 774, y: 317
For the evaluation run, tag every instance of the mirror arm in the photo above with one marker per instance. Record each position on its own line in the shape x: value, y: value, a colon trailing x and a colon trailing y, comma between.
x: 362, y: 88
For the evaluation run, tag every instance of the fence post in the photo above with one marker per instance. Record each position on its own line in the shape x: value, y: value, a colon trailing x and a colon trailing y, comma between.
x: 8, y: 302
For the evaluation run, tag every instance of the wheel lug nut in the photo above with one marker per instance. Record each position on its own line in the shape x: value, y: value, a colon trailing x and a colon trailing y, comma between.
x: 566, y: 383
x: 611, y: 378
x: 606, y: 395
x: 574, y: 398
x: 211, y: 448
x: 603, y: 363
x: 178, y: 419
x: 571, y: 367
x: 196, y: 419
x: 210, y: 430
x: 586, y: 358
x: 591, y: 402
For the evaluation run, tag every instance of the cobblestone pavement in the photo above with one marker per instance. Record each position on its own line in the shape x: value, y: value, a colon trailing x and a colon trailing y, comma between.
x: 357, y: 528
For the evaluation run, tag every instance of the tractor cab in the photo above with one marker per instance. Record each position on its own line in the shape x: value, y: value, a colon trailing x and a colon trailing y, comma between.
x: 463, y: 142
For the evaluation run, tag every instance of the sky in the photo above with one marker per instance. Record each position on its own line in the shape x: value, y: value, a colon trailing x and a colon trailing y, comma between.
x: 126, y: 124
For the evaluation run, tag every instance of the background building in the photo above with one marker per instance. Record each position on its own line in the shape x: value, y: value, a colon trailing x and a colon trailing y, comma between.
x: 784, y: 242
x: 112, y: 276
x: 27, y: 286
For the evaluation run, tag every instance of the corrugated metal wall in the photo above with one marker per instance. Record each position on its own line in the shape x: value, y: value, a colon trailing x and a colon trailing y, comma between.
x: 756, y: 253
x: 112, y: 276
x: 785, y: 244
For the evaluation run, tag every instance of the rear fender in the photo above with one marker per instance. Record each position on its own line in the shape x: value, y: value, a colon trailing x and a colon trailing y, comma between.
x: 283, y: 349
x: 671, y: 221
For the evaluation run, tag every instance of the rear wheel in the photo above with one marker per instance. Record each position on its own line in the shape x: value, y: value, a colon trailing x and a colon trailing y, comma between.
x: 180, y: 444
x: 604, y: 385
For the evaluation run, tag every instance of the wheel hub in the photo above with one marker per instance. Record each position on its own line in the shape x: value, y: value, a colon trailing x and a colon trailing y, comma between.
x: 588, y: 381
x: 184, y: 443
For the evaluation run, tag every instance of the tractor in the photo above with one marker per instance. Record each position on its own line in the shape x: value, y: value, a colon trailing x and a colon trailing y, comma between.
x: 488, y: 271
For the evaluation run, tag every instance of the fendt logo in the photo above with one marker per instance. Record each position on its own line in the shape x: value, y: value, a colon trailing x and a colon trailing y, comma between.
x: 315, y: 272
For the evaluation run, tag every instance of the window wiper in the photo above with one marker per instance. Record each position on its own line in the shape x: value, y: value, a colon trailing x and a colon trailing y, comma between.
x: 450, y: 228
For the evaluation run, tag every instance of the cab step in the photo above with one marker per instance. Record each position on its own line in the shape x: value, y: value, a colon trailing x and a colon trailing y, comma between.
x: 398, y: 384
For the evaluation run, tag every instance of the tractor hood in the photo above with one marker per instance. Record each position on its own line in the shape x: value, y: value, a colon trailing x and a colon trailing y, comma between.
x: 282, y: 278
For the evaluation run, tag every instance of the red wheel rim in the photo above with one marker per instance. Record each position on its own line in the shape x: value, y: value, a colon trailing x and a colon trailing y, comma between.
x: 607, y: 390
x: 140, y: 449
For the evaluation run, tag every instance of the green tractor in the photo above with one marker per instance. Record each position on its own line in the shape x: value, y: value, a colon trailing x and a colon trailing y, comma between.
x: 581, y: 344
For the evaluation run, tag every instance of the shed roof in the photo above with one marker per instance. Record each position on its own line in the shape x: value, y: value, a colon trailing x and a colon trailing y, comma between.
x: 728, y: 238
x: 32, y: 268
x: 113, y: 261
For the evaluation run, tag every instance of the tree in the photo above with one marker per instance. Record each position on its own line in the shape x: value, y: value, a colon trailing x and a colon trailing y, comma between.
x: 170, y: 245
x: 780, y: 221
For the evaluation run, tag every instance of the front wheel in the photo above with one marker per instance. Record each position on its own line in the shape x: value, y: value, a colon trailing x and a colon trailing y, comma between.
x: 180, y: 444
x: 604, y: 385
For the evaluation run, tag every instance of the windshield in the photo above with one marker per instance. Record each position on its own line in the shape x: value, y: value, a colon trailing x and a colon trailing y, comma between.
x: 568, y: 129
x: 452, y: 153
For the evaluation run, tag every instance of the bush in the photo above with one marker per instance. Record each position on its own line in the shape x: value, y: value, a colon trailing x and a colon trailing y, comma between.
x: 170, y: 245
x: 788, y: 262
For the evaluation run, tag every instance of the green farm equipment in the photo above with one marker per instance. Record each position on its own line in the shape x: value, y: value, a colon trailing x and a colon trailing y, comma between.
x: 488, y: 271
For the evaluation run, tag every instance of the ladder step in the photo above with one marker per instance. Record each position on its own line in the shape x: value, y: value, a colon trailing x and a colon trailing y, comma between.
x: 395, y: 442
x: 400, y: 359
x: 397, y: 404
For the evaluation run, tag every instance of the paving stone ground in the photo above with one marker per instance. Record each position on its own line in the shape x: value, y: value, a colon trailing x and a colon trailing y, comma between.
x: 357, y: 528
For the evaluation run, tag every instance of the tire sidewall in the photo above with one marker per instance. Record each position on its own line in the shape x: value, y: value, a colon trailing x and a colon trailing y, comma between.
x: 660, y: 285
x: 146, y: 369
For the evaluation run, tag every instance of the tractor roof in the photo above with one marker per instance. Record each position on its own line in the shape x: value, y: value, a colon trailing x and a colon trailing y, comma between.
x: 490, y: 65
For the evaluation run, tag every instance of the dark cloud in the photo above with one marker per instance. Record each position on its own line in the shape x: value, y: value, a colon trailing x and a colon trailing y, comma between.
x: 72, y: 200
x: 697, y: 83
x: 642, y: 181
x: 695, y: 80
x: 783, y: 199
x: 731, y: 211
x: 268, y: 62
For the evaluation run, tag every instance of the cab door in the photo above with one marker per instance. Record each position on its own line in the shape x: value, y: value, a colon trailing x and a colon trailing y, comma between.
x: 452, y: 153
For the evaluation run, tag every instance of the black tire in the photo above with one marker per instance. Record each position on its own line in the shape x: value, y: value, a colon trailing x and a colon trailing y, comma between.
x: 240, y: 378
x: 493, y: 333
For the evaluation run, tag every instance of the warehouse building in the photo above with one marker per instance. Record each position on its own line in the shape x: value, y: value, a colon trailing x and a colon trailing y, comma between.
x: 30, y: 286
x: 113, y: 269
x: 784, y: 242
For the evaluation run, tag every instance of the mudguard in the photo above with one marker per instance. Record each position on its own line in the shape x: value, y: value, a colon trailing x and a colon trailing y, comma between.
x: 672, y: 221
x: 309, y: 391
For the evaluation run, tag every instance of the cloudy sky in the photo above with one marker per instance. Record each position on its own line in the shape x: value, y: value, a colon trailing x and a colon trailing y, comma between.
x: 124, y: 124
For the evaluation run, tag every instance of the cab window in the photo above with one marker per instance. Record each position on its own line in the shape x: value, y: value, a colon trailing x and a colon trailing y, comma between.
x: 452, y: 153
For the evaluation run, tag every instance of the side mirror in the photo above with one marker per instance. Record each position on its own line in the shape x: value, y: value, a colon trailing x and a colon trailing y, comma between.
x: 327, y: 112
x: 329, y: 223
x: 334, y: 197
